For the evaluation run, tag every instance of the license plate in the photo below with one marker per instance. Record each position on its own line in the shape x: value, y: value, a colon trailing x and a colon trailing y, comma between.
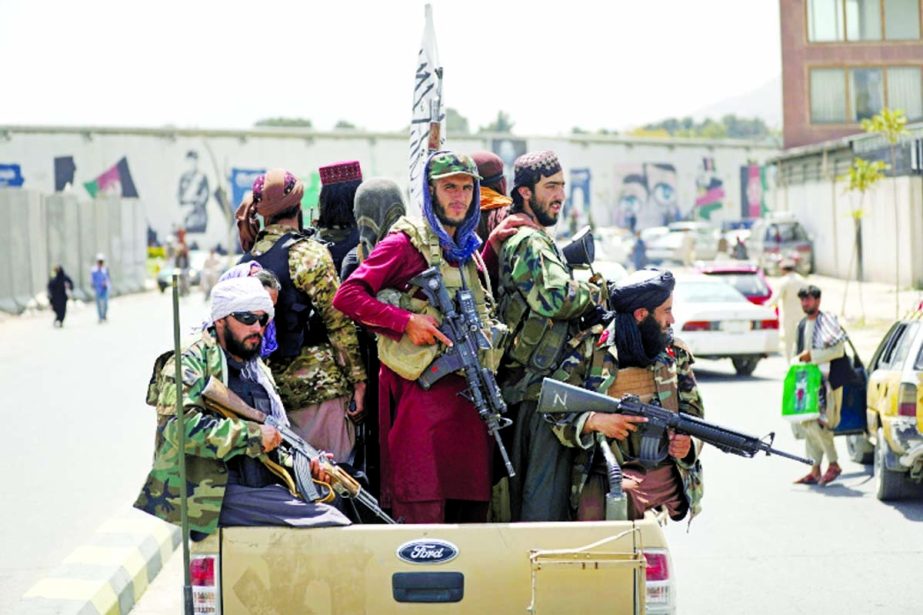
x: 735, y: 326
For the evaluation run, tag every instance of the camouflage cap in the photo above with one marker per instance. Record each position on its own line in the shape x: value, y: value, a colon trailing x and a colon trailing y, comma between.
x: 444, y: 164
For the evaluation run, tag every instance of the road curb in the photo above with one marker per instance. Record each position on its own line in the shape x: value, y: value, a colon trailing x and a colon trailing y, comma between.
x: 108, y: 574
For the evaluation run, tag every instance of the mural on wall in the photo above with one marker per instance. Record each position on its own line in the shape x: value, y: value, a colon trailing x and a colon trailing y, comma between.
x: 753, y: 188
x: 241, y: 182
x: 64, y: 169
x: 311, y: 196
x: 116, y: 180
x: 192, y: 195
x: 11, y: 176
x: 576, y: 211
x: 646, y: 195
x: 508, y: 150
x: 709, y: 190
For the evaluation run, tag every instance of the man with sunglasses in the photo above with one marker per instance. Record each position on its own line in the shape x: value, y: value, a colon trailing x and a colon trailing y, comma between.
x: 317, y: 364
x: 232, y: 466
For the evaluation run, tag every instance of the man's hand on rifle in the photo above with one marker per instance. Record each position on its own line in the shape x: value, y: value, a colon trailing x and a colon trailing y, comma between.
x: 356, y: 409
x: 423, y: 330
x: 680, y: 445
x: 317, y: 472
x: 271, y: 437
x: 616, y: 426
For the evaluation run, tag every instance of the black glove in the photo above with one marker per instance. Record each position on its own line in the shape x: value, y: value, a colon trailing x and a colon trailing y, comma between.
x: 596, y: 316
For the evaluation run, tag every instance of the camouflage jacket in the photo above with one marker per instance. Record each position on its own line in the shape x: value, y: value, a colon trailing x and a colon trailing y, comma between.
x: 539, y: 301
x: 211, y: 440
x: 329, y: 369
x: 593, y: 364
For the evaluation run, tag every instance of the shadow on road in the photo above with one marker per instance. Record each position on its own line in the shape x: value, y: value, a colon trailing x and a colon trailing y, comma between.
x: 911, y: 509
x: 708, y: 375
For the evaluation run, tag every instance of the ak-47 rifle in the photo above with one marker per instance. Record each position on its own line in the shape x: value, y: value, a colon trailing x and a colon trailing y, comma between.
x: 464, y: 328
x: 560, y: 398
x: 221, y: 399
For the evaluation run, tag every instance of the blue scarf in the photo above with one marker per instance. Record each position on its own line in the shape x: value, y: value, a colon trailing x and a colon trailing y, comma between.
x: 458, y: 250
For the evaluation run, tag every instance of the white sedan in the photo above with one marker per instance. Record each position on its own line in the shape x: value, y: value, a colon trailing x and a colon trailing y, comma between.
x: 717, y: 322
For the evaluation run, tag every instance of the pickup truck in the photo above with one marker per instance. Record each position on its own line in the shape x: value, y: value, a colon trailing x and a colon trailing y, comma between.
x: 587, y: 567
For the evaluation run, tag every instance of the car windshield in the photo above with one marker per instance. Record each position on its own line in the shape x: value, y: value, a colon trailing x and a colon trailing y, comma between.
x: 749, y: 284
x: 707, y: 291
x: 781, y: 233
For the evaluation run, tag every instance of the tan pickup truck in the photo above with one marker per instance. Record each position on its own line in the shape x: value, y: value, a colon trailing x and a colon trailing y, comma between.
x: 597, y: 567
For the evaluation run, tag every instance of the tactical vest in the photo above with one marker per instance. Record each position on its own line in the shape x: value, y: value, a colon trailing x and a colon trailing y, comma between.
x: 404, y: 357
x: 297, y: 323
x: 536, y: 342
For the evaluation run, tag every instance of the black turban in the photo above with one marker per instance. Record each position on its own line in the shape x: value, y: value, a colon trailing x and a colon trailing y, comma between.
x: 645, y: 288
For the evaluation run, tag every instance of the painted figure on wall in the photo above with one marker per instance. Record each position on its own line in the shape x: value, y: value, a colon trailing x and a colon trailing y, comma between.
x: 646, y: 195
x: 577, y: 206
x: 709, y: 190
x: 192, y: 193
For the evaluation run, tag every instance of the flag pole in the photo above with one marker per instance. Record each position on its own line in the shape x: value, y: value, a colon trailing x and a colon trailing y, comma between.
x: 181, y: 458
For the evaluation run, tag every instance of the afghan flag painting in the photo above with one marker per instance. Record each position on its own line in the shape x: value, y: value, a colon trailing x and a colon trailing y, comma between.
x: 116, y: 179
x: 710, y: 193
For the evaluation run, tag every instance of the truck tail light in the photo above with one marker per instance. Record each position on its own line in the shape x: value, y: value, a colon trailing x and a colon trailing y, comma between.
x: 698, y: 325
x: 907, y: 400
x: 765, y: 324
x: 660, y: 592
x: 203, y: 578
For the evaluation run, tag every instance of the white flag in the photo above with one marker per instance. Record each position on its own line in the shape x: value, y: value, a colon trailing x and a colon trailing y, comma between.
x: 427, y: 108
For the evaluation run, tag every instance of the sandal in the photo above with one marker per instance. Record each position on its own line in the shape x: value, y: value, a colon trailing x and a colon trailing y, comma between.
x: 809, y: 479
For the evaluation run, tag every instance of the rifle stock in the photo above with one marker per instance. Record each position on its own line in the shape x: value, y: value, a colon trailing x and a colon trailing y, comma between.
x: 219, y: 397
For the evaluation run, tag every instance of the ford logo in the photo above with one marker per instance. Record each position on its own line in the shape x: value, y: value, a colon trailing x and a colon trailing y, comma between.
x: 427, y: 552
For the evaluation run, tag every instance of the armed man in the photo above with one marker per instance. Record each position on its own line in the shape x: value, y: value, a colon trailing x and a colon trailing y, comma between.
x: 233, y: 473
x: 635, y: 355
x: 435, y: 450
x: 541, y: 303
x: 317, y: 364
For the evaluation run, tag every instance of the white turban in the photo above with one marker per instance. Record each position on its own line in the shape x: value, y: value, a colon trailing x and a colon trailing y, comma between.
x: 240, y: 295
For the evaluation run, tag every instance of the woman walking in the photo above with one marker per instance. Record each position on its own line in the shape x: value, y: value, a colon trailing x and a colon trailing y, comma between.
x: 59, y: 287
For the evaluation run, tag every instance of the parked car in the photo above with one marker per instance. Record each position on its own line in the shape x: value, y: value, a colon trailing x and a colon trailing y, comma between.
x: 747, y: 278
x: 668, y: 247
x: 894, y: 412
x: 776, y: 238
x: 716, y: 321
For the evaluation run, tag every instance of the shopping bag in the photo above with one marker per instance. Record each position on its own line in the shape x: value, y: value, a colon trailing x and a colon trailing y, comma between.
x: 800, y: 393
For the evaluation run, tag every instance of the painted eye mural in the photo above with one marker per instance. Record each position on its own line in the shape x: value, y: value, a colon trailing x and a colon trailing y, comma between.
x: 646, y: 195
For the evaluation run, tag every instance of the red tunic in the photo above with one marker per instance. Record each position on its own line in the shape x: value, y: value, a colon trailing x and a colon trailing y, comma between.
x: 434, y: 445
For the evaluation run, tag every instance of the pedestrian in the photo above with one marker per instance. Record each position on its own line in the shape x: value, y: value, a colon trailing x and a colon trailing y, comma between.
x: 822, y: 341
x: 495, y: 202
x: 59, y: 291
x: 317, y: 365
x: 635, y: 354
x: 232, y: 465
x: 435, y: 450
x: 101, y: 282
x: 687, y: 249
x: 336, y: 223
x: 211, y: 271
x: 181, y: 261
x: 739, y: 251
x: 786, y: 299
x: 639, y: 252
x: 542, y: 304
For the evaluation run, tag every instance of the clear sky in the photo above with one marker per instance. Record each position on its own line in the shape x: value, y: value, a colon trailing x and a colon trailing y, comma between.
x: 551, y: 65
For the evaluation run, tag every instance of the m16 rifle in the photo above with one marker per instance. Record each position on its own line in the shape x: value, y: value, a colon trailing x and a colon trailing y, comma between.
x: 465, y: 329
x: 221, y: 399
x: 560, y: 398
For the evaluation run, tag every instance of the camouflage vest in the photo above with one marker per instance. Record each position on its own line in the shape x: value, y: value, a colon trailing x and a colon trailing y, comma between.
x: 404, y: 357
x: 536, y: 343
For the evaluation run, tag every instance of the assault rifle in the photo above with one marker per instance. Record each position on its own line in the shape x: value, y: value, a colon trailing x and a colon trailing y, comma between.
x: 226, y: 402
x: 464, y: 328
x: 560, y: 398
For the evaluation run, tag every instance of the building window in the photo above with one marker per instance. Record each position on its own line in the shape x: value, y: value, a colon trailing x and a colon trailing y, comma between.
x: 850, y: 95
x: 905, y: 91
x: 867, y: 92
x: 863, y: 20
x: 828, y: 96
x: 902, y: 20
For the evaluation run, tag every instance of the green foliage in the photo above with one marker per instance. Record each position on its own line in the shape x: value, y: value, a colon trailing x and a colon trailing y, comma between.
x: 344, y: 125
x: 455, y: 122
x: 502, y: 124
x: 891, y: 124
x: 863, y: 174
x: 286, y: 122
x: 729, y: 127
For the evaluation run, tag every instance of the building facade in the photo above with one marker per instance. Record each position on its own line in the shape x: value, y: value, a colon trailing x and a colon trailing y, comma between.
x: 845, y: 60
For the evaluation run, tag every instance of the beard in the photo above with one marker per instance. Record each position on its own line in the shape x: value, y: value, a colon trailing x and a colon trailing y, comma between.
x: 653, y: 337
x: 247, y: 348
x: 543, y: 213
x: 439, y: 210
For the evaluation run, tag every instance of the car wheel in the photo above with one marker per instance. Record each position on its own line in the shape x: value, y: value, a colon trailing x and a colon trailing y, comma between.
x: 889, y: 485
x: 859, y: 448
x: 745, y: 365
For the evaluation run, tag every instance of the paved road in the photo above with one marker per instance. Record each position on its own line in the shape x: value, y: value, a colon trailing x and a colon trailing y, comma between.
x: 763, y: 545
x: 79, y: 437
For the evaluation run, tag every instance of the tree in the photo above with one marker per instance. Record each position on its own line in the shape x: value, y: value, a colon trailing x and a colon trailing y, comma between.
x: 344, y: 125
x: 862, y: 176
x: 503, y: 124
x: 728, y: 127
x: 576, y: 130
x: 456, y: 122
x: 891, y: 125
x: 286, y: 122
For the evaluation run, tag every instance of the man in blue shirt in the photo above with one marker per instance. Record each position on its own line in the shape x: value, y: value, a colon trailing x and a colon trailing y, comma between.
x: 99, y: 278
